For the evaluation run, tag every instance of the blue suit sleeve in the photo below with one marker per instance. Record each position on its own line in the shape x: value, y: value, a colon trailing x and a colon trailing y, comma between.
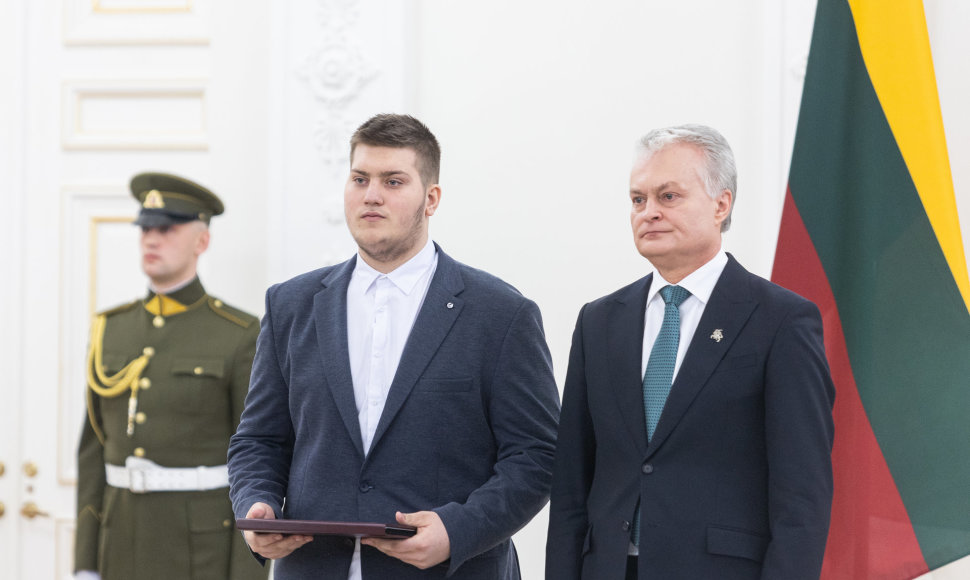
x: 262, y: 447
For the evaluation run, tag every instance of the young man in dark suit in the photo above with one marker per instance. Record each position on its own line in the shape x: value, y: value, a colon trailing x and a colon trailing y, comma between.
x: 400, y: 385
x: 696, y: 426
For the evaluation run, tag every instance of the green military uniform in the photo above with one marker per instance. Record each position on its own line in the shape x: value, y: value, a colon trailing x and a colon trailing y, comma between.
x: 167, y: 380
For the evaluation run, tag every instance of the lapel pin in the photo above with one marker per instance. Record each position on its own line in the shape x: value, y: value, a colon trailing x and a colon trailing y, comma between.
x: 450, y: 305
x: 717, y: 335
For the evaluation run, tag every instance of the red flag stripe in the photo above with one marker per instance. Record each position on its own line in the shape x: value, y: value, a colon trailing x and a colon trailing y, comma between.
x: 871, y: 535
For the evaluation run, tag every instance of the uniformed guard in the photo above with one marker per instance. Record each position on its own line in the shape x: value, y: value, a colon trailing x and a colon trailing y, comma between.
x: 167, y: 376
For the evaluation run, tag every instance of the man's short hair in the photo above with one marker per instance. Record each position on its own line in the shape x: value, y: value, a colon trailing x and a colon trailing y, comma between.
x: 721, y: 171
x: 403, y: 132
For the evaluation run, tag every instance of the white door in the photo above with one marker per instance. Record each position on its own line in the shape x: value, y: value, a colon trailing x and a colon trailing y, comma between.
x: 95, y: 92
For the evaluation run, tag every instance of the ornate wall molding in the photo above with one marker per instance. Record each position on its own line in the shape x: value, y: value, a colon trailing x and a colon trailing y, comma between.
x: 335, y: 73
x: 341, y: 61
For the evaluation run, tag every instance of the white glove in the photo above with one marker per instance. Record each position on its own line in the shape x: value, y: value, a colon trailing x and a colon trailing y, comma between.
x: 87, y: 575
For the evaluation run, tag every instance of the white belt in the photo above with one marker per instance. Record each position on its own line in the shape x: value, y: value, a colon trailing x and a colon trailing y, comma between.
x: 141, y: 475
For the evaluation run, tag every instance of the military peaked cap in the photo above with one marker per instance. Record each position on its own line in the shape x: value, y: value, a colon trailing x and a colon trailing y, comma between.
x: 169, y: 199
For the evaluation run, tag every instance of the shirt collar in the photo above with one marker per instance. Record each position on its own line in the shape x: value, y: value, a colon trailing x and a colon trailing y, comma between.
x: 700, y: 283
x: 405, y: 276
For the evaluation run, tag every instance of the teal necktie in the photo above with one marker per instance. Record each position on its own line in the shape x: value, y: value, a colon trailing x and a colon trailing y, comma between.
x: 660, y: 368
x: 663, y: 358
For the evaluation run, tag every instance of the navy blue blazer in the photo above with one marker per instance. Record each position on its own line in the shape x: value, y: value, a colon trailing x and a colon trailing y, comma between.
x: 468, y: 429
x: 737, y: 480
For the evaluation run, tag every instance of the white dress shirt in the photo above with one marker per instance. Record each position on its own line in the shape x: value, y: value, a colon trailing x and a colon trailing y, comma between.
x: 700, y: 283
x: 381, y: 309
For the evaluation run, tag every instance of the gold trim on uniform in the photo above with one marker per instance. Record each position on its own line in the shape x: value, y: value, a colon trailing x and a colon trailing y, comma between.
x: 128, y: 378
x: 162, y: 305
x: 219, y: 308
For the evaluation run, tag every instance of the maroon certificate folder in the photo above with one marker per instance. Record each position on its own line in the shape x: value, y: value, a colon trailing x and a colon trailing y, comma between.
x: 314, y: 527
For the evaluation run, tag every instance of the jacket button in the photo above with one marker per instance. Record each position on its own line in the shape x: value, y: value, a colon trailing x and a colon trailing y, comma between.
x: 647, y: 468
x: 364, y: 487
x: 625, y: 527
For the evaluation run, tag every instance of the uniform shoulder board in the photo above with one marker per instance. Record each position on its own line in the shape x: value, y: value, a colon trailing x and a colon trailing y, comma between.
x: 234, y: 315
x: 118, y: 309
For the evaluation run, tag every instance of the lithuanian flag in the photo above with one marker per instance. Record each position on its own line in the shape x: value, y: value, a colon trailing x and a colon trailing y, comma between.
x: 870, y: 233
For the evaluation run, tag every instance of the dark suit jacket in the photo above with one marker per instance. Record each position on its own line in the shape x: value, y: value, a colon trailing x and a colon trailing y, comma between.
x: 737, y: 480
x: 468, y: 429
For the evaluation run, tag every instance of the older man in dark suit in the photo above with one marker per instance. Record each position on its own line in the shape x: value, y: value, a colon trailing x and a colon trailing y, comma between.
x: 399, y: 384
x: 696, y: 426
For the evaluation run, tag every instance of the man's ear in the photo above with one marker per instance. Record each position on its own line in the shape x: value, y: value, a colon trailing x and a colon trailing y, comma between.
x: 431, y: 200
x: 202, y: 243
x: 723, y: 205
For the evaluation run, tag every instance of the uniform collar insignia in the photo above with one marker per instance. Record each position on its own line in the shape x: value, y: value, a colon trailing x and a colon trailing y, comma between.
x: 164, y: 306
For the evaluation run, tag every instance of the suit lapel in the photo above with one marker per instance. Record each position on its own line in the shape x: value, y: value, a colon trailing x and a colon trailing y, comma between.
x: 330, y: 317
x: 438, y: 314
x: 728, y: 310
x: 625, y: 347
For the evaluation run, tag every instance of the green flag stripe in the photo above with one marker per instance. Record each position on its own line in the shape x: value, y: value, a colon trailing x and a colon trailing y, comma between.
x: 906, y: 327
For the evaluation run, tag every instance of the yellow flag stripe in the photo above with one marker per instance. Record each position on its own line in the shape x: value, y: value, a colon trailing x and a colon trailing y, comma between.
x: 896, y: 48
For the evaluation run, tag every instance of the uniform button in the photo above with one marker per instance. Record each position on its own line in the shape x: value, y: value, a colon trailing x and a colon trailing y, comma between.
x: 365, y: 487
x: 139, y: 452
x: 226, y: 523
x: 158, y: 322
x: 647, y: 468
x: 197, y: 370
x: 144, y: 383
x: 217, y: 303
x: 626, y: 526
x: 140, y: 418
x: 348, y: 542
x: 148, y: 351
